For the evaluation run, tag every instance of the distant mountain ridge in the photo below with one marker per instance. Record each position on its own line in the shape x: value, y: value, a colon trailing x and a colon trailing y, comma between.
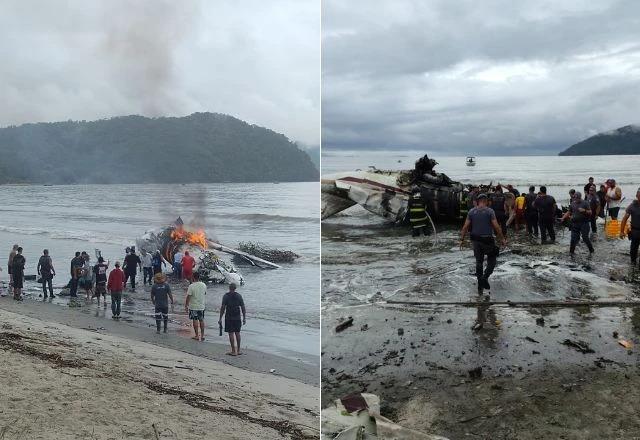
x: 623, y: 140
x: 199, y: 148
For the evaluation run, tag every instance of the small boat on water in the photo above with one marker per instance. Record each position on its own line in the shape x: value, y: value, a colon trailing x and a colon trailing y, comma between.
x: 471, y: 161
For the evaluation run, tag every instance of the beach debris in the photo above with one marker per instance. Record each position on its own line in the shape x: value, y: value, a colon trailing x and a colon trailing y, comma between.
x: 581, y: 346
x: 15, y: 341
x: 183, y: 367
x: 360, y: 419
x: 364, y: 327
x: 266, y: 253
x: 475, y: 373
x: 273, y: 370
x: 354, y: 403
x: 161, y: 366
x: 155, y: 431
x: 344, y: 325
x: 626, y: 344
x: 530, y: 339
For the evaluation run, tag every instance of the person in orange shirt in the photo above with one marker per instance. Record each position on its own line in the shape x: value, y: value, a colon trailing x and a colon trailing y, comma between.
x: 188, y: 264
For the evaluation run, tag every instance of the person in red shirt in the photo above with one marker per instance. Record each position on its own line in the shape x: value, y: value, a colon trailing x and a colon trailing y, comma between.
x: 188, y: 264
x: 116, y: 286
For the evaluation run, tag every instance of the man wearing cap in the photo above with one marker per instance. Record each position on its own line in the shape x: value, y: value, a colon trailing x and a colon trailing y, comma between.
x: 633, y: 212
x: 160, y: 296
x: 481, y: 222
x: 580, y: 214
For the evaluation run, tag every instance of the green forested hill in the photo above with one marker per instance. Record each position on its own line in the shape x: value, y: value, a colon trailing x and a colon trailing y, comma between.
x: 202, y: 147
x: 624, y: 140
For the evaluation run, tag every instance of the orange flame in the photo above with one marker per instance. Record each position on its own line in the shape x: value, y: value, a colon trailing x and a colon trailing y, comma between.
x: 197, y: 238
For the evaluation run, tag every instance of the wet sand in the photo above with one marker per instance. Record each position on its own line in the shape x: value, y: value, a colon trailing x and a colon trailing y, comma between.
x: 98, y: 319
x: 419, y: 359
x: 63, y: 382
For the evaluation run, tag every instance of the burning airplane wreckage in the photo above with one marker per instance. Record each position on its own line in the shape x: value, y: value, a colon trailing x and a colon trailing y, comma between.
x: 209, y: 265
x: 387, y: 193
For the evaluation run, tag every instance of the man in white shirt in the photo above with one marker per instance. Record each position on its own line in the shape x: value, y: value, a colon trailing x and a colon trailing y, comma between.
x: 147, y: 267
x: 195, y: 305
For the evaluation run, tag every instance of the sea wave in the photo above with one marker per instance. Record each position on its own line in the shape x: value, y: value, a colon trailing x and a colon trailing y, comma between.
x: 267, y: 217
x: 88, y: 236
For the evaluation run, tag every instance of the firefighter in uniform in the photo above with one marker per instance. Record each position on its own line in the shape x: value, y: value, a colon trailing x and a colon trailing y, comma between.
x: 417, y: 213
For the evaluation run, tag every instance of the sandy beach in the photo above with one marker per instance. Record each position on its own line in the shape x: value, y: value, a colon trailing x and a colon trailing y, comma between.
x: 67, y: 382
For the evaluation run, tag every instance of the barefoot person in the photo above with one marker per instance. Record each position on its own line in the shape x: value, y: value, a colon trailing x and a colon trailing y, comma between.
x: 17, y: 269
x: 160, y: 296
x: 47, y: 272
x: 195, y: 305
x: 232, y: 304
x: 100, y: 274
x: 14, y: 251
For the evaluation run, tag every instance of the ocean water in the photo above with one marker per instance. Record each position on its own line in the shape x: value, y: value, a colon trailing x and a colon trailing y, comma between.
x: 365, y: 258
x: 558, y: 173
x: 282, y: 304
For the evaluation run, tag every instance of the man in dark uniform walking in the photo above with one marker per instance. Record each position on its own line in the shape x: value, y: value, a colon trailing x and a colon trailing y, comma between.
x: 482, y: 223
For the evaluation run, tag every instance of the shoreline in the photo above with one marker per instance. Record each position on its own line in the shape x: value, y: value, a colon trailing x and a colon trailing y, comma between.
x: 63, y: 382
x: 304, y: 371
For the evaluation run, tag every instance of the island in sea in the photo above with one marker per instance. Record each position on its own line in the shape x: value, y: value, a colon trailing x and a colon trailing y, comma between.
x: 623, y: 140
x: 199, y: 148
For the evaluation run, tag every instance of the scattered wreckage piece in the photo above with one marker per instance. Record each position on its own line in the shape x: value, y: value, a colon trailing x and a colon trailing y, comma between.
x: 344, y: 325
x: 581, y: 346
x: 386, y: 193
x: 357, y: 417
x: 262, y: 251
x: 524, y: 304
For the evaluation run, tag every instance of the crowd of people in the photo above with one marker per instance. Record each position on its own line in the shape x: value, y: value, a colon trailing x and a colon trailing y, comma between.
x: 500, y: 213
x: 96, y: 280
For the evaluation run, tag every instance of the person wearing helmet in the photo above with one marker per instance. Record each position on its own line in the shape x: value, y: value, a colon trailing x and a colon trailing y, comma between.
x: 633, y: 212
x: 417, y: 213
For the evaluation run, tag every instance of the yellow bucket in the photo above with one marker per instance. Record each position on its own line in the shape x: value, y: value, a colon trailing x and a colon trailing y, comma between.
x: 613, y: 229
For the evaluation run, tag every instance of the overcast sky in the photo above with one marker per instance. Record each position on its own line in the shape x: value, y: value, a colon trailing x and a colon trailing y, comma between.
x: 478, y: 77
x: 78, y: 59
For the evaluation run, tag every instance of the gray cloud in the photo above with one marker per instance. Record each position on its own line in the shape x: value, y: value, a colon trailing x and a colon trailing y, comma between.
x: 491, y: 77
x: 259, y: 61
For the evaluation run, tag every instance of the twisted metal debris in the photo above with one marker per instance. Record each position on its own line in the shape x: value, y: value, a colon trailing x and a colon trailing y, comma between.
x: 262, y: 251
